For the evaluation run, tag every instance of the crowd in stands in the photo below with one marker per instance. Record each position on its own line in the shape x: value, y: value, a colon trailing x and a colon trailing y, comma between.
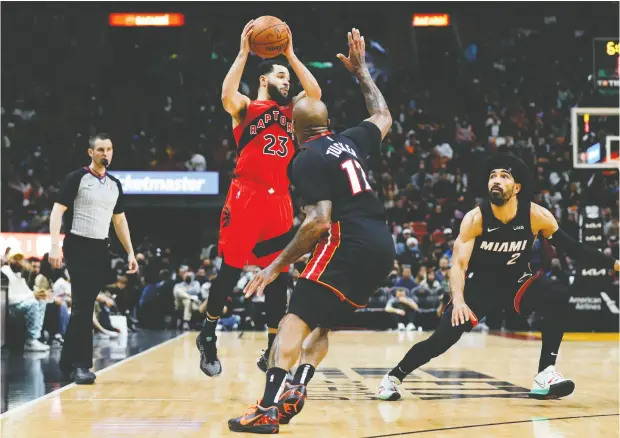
x: 158, y: 97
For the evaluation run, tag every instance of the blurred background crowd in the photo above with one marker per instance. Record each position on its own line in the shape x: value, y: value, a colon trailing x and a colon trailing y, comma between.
x: 504, y: 80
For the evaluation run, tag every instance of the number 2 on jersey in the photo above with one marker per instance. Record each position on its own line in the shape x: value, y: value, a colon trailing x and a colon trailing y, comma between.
x: 350, y: 167
x: 513, y: 258
x: 268, y: 150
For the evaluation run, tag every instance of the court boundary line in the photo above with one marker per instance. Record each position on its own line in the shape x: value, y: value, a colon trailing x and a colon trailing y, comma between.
x: 471, y: 426
x: 97, y: 373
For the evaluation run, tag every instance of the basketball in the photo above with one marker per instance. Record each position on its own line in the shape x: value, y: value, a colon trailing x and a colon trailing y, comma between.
x: 269, y: 37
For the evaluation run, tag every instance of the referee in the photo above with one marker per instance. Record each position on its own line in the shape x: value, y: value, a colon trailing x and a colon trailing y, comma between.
x: 89, y: 199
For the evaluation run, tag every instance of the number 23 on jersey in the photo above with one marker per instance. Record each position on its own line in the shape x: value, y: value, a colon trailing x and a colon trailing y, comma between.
x: 272, y: 149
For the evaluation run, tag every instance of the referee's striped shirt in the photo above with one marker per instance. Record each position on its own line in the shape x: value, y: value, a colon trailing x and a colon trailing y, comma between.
x: 91, y: 201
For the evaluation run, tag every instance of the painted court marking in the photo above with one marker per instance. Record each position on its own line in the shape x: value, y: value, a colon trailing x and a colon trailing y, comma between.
x: 98, y: 373
x: 471, y: 426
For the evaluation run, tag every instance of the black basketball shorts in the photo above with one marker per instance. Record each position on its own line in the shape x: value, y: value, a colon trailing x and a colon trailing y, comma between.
x: 347, y: 266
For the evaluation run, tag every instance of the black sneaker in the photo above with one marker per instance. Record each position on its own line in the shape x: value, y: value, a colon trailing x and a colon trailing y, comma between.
x: 83, y: 376
x: 256, y: 420
x: 263, y: 361
x: 209, y: 363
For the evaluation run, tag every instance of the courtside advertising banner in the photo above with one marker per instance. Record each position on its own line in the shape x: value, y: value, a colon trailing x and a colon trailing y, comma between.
x: 168, y: 183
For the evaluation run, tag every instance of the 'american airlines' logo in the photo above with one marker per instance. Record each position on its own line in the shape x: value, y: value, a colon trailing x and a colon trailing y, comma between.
x: 517, y: 246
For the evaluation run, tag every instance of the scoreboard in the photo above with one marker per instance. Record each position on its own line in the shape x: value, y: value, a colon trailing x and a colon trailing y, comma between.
x: 606, y: 63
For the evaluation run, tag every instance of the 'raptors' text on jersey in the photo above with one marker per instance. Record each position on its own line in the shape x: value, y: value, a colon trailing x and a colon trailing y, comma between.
x: 265, y: 144
x: 503, y: 250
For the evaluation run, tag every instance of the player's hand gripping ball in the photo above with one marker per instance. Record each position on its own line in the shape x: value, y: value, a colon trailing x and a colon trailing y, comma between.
x: 270, y: 36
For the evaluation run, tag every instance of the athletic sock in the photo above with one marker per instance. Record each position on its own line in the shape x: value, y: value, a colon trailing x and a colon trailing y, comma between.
x: 398, y: 373
x: 274, y: 386
x: 270, y: 338
x: 551, y: 339
x: 210, y: 325
x: 304, y: 374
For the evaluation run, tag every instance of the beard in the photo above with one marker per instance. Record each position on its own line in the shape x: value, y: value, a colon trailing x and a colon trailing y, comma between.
x: 497, y: 197
x: 277, y: 96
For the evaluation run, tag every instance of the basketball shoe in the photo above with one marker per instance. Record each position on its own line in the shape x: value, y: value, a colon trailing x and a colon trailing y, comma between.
x: 291, y: 402
x: 388, y: 390
x: 256, y: 420
x: 263, y: 361
x: 549, y: 384
x: 209, y: 363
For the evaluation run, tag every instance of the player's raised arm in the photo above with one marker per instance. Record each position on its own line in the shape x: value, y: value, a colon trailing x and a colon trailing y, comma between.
x: 308, y: 81
x: 233, y: 101
x: 471, y: 227
x: 375, y: 102
x: 543, y: 221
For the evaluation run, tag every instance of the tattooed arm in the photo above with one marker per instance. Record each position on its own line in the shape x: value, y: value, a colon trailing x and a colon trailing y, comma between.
x: 375, y: 102
x: 316, y: 224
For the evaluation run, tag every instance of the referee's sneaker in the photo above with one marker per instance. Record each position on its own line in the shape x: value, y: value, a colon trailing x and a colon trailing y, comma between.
x: 89, y: 199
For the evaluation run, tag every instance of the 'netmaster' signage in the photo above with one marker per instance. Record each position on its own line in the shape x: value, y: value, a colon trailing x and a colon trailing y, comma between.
x: 168, y: 183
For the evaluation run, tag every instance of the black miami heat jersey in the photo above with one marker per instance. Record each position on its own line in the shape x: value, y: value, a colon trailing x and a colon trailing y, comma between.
x: 502, y: 252
x: 334, y: 167
x: 357, y: 254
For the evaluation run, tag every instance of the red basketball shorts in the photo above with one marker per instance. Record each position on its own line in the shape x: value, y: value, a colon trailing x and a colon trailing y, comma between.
x: 255, y: 224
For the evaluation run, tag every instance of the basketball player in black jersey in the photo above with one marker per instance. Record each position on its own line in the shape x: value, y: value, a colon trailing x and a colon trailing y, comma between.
x: 490, y: 271
x: 345, y: 224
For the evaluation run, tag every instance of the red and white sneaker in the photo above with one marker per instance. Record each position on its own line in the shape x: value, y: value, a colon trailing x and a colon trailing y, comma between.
x: 549, y: 384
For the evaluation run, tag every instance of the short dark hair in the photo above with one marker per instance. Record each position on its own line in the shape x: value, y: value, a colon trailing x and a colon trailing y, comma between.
x: 266, y: 67
x: 517, y: 168
x: 98, y: 136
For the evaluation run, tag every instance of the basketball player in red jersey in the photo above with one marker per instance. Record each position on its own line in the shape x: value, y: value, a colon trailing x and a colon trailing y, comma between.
x: 258, y: 215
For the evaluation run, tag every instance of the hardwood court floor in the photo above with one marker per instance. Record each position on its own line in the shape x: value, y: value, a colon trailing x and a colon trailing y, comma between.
x: 476, y: 389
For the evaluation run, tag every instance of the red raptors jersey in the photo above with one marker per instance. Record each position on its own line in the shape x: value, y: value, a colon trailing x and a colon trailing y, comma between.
x: 265, y: 144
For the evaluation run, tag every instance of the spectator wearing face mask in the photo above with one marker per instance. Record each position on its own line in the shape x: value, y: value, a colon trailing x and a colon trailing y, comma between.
x: 444, y: 268
x: 411, y: 256
x: 406, y: 280
x: 404, y: 309
x: 187, y: 298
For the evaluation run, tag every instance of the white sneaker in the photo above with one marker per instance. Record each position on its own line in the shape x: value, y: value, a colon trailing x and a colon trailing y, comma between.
x: 549, y: 384
x: 410, y: 327
x: 401, y: 326
x: 35, y: 345
x: 388, y: 390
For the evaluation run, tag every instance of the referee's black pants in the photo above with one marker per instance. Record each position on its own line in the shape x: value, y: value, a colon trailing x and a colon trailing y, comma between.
x: 87, y: 261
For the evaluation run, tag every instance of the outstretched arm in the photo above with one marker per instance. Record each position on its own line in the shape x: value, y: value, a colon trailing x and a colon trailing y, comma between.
x: 233, y: 101
x: 471, y: 227
x: 543, y: 221
x: 375, y: 102
x: 308, y: 81
x: 315, y: 225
